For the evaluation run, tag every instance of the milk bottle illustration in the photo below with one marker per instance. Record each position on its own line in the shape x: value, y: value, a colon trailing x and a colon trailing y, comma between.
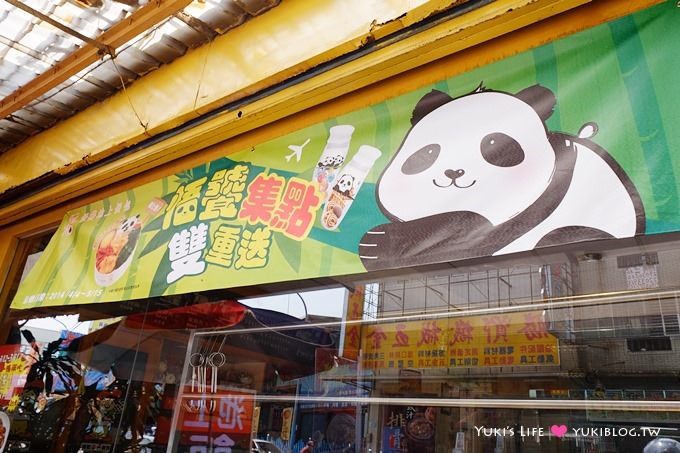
x: 333, y: 156
x: 346, y: 187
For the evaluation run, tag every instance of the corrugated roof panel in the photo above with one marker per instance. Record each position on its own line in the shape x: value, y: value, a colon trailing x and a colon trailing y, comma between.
x: 9, y: 124
x: 186, y: 34
x: 137, y: 61
x: 95, y: 87
x: 11, y: 134
x: 13, y: 76
x: 35, y: 35
x: 76, y: 102
x: 220, y: 20
x: 255, y: 7
x: 80, y: 99
x: 114, y: 75
x: 33, y: 118
x: 52, y: 108
x: 26, y: 62
x: 165, y: 49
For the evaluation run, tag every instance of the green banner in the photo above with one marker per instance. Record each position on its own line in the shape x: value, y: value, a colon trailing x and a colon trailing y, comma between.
x: 573, y: 141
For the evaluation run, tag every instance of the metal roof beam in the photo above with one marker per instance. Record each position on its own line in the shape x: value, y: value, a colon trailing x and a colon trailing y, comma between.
x: 138, y: 22
x: 55, y: 23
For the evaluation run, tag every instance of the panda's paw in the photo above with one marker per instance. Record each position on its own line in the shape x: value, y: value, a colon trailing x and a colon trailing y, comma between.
x: 372, y: 246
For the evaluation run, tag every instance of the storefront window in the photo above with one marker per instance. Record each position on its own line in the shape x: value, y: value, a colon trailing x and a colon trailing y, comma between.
x: 572, y: 351
x: 481, y: 261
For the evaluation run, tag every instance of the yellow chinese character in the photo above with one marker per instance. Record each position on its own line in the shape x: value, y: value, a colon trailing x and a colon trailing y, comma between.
x: 224, y: 244
x: 253, y: 251
x: 183, y: 206
x: 221, y: 206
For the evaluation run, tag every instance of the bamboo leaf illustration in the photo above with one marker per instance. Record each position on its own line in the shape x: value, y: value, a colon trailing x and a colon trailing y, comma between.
x: 290, y: 249
x: 159, y: 284
x: 158, y: 240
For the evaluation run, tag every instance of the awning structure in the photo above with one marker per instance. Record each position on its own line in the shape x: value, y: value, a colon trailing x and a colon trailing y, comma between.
x: 58, y: 58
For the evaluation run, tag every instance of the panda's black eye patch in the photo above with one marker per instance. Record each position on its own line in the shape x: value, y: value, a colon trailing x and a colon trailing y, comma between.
x: 501, y: 150
x: 421, y: 160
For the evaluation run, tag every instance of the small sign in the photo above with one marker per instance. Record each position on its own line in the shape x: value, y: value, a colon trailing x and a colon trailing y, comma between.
x: 642, y: 277
x: 286, y: 423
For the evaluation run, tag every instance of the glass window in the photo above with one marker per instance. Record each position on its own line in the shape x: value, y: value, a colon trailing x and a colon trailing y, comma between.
x: 575, y: 350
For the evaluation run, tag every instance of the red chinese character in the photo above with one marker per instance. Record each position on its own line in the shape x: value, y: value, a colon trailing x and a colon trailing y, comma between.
x: 534, y: 327
x: 461, y: 333
x: 496, y: 327
x: 429, y: 334
x: 377, y: 337
x: 263, y: 195
x: 295, y: 214
x: 353, y: 337
x: 401, y: 337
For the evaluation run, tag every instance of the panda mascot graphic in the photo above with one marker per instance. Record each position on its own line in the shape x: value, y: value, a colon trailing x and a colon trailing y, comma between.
x: 130, y: 223
x: 345, y: 186
x: 481, y: 175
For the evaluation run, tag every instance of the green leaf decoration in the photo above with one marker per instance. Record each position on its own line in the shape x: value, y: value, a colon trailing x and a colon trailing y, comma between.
x: 158, y: 240
x: 185, y: 177
x: 159, y: 283
x: 154, y: 224
x: 290, y: 249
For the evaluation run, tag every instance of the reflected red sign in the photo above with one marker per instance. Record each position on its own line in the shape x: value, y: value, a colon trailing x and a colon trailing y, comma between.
x: 209, y: 315
x: 216, y: 422
x: 14, y: 365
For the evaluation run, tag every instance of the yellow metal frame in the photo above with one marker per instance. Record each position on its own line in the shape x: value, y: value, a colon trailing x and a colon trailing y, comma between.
x: 440, y: 52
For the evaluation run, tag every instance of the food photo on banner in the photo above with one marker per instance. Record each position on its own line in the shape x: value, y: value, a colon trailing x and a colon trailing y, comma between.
x: 564, y: 143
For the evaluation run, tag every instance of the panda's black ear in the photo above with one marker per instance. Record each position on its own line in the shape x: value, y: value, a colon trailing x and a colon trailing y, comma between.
x: 431, y: 101
x: 540, y: 98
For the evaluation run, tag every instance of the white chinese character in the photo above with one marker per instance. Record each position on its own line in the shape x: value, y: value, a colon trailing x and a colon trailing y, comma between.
x: 199, y: 448
x: 230, y: 412
x: 201, y: 422
x: 179, y: 245
x: 223, y: 444
x: 188, y: 265
x: 199, y: 237
x: 186, y: 247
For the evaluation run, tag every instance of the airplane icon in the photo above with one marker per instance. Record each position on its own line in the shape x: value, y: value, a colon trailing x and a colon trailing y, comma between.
x: 297, y: 151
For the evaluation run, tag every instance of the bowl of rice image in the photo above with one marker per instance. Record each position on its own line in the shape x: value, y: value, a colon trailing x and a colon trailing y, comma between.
x: 114, y: 250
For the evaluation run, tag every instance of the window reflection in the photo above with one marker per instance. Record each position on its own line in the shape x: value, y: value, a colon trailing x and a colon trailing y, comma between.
x: 572, y: 352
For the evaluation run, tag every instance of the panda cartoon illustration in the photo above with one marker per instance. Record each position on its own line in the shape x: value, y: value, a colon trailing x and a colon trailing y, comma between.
x: 345, y: 186
x: 130, y: 223
x: 481, y: 175
x: 331, y: 162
